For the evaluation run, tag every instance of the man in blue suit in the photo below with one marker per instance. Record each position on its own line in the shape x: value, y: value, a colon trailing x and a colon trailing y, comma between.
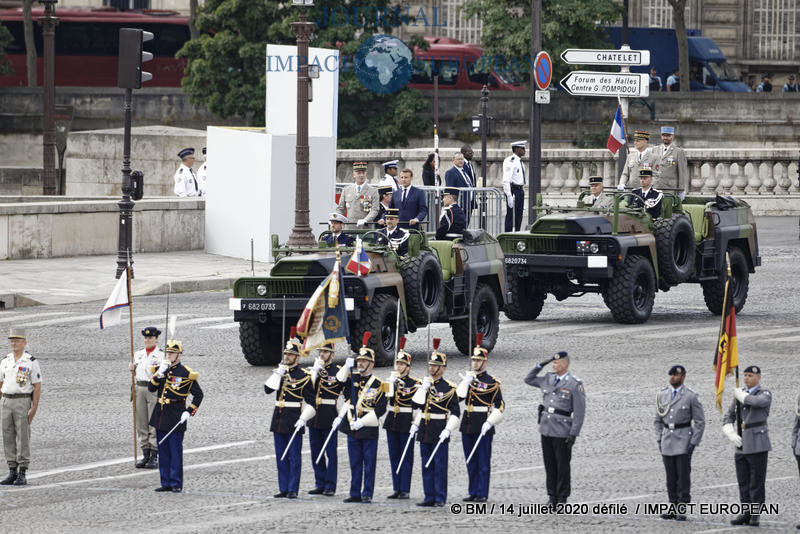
x: 410, y: 201
x: 458, y: 176
x: 337, y: 221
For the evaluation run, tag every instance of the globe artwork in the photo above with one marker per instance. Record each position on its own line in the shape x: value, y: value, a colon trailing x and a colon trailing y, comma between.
x: 383, y: 64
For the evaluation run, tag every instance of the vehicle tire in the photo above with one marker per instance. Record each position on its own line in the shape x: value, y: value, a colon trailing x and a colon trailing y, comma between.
x: 676, y: 248
x: 485, y: 319
x: 261, y: 344
x: 631, y: 293
x: 526, y: 299
x: 714, y: 290
x: 424, y: 287
x: 380, y: 319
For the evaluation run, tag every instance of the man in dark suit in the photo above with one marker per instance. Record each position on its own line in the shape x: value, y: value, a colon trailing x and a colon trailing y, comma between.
x: 458, y: 176
x: 336, y: 221
x: 410, y: 201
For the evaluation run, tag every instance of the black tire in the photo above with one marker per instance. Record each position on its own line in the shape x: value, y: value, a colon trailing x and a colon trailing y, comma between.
x: 424, y: 287
x: 485, y: 319
x: 261, y: 344
x: 527, y: 299
x: 380, y: 319
x: 714, y: 290
x: 631, y: 293
x: 676, y: 248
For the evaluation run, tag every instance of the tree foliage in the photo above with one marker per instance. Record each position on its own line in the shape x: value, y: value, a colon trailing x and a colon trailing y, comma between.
x: 226, y: 66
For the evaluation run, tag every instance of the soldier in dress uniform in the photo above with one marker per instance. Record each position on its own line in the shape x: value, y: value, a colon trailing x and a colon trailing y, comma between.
x: 385, y: 197
x: 679, y: 425
x: 390, y: 174
x: 202, y: 176
x: 365, y: 395
x: 393, y: 235
x: 173, y: 382
x: 402, y: 387
x: 652, y: 197
x: 186, y: 184
x: 641, y: 156
x: 359, y: 201
x: 21, y: 387
x: 437, y: 419
x: 560, y: 420
x: 294, y: 407
x: 673, y: 170
x: 452, y: 220
x: 145, y: 363
x: 483, y: 410
x: 598, y: 198
x: 751, y: 440
x: 514, y: 186
x: 326, y: 392
x: 337, y: 236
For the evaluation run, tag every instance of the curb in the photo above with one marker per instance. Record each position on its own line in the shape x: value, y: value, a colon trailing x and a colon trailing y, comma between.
x: 188, y: 286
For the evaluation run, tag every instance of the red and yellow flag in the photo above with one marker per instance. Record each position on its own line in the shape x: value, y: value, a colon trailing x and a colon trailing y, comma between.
x: 727, y: 351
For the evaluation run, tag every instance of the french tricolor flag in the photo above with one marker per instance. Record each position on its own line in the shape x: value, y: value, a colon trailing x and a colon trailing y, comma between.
x: 617, y: 136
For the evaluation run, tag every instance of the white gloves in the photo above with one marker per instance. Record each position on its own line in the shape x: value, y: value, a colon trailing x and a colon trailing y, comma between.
x: 510, y: 199
x: 729, y: 431
x: 162, y: 369
x: 444, y: 435
x: 281, y: 370
x: 487, y: 426
x: 682, y: 195
x: 620, y: 187
x: 350, y: 362
x: 393, y: 378
x: 468, y: 378
x: 361, y: 222
x: 740, y: 394
x: 413, y: 430
x: 357, y: 425
x: 426, y: 383
x: 336, y: 422
x: 185, y: 417
x: 299, y: 423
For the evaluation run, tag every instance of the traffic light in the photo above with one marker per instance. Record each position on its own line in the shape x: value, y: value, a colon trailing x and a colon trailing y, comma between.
x: 131, y: 57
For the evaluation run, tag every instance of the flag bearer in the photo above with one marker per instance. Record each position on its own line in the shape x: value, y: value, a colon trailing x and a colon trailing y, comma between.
x: 145, y: 362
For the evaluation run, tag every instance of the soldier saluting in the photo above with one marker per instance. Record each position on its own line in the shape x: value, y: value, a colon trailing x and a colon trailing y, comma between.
x: 326, y: 391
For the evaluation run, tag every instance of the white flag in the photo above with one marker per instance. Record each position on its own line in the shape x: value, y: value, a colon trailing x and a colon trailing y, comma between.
x: 118, y: 300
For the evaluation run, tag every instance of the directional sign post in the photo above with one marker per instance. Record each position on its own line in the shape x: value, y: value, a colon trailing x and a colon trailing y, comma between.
x: 575, y: 56
x: 623, y: 84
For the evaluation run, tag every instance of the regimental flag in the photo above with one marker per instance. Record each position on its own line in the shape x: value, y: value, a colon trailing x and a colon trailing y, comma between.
x: 359, y: 263
x: 119, y: 299
x: 727, y: 357
x: 617, y: 136
x: 324, y: 318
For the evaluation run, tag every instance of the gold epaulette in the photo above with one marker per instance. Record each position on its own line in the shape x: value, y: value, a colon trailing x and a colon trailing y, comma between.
x: 384, y: 387
x: 451, y: 384
x: 193, y: 375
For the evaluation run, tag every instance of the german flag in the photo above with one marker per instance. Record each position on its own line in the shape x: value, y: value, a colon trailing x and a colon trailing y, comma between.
x: 727, y: 357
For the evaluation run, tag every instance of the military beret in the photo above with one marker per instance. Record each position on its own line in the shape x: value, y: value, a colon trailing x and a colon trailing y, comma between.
x: 595, y: 179
x: 756, y: 370
x: 173, y: 345
x: 677, y: 370
x: 641, y: 134
x: 646, y: 171
x: 186, y: 152
x: 562, y: 355
x: 668, y: 130
x: 151, y: 331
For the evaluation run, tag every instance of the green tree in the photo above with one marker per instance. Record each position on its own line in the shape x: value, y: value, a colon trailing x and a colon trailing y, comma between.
x: 226, y: 68
x: 565, y: 24
x: 5, y: 38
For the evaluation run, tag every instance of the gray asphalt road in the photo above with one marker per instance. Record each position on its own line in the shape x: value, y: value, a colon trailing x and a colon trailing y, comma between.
x: 82, y: 478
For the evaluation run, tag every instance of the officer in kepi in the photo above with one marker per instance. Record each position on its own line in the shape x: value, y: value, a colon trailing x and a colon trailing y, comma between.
x: 750, y: 436
x: 679, y: 425
x: 337, y: 237
x: 294, y: 407
x: 145, y: 362
x: 326, y: 392
x: 21, y: 387
x: 597, y: 198
x: 173, y: 382
x: 651, y: 196
x: 393, y: 235
x: 560, y: 420
x: 514, y: 186
x: 186, y: 184
x: 483, y: 411
x: 451, y: 222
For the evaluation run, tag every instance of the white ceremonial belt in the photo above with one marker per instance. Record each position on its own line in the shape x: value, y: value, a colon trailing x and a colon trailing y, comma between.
x: 284, y: 404
x: 326, y: 401
x: 471, y: 408
x: 397, y: 409
x: 435, y: 416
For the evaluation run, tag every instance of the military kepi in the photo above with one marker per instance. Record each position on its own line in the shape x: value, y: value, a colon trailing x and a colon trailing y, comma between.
x: 16, y: 333
x: 670, y: 130
x: 393, y: 212
x: 151, y: 331
x: 519, y: 144
x: 185, y: 153
x: 677, y: 370
x: 595, y: 179
x: 337, y: 217
x: 391, y: 164
x: 451, y: 191
x: 645, y: 171
x: 359, y: 166
x: 756, y: 370
x: 641, y: 134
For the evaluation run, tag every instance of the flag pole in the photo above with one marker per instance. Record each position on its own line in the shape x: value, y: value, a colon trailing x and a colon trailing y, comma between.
x: 133, y: 372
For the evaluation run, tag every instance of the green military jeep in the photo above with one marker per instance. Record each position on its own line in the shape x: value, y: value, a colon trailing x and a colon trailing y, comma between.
x: 626, y: 255
x: 436, y: 282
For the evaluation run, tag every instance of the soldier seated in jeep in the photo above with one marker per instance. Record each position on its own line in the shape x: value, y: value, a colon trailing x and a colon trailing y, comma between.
x: 392, y: 235
x: 336, y: 236
x: 452, y: 221
x: 652, y: 197
x: 597, y: 198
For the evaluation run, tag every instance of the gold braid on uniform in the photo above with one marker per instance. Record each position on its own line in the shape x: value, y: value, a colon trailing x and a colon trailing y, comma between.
x: 472, y: 396
x: 323, y: 387
x: 398, y: 399
x: 182, y: 389
x: 441, y: 404
x: 361, y: 406
x: 294, y: 389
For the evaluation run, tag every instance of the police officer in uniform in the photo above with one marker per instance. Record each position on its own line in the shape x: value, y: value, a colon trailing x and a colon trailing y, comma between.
x: 385, y: 197
x: 365, y: 395
x: 202, y: 176
x: 359, y: 201
x: 514, y: 186
x: 652, y: 197
x: 437, y: 419
x: 393, y: 235
x: 21, y: 387
x: 679, y: 425
x: 337, y: 236
x: 642, y: 156
x: 452, y: 220
x: 145, y: 363
x: 294, y: 406
x: 397, y: 423
x: 326, y: 391
x: 751, y: 440
x: 186, y: 184
x: 672, y: 166
x: 597, y: 198
x: 390, y: 175
x: 173, y: 382
x: 482, y: 412
x: 560, y: 420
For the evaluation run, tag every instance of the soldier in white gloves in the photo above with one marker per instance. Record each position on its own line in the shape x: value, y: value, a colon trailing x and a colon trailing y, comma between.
x: 398, y: 420
x: 514, y: 186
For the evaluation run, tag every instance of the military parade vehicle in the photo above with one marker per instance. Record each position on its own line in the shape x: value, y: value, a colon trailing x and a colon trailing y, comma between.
x: 626, y: 255
x: 460, y: 282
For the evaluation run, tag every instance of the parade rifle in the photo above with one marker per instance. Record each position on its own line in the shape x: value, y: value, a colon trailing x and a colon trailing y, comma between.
x: 342, y: 414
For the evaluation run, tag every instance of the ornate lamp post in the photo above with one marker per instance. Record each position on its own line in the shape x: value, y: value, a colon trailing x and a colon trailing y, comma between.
x: 49, y: 22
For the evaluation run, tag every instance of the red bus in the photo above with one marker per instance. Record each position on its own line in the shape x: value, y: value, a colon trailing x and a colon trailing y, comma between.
x: 87, y: 46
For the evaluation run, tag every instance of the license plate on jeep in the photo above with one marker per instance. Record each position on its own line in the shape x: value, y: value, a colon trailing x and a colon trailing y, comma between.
x: 516, y: 260
x: 235, y: 304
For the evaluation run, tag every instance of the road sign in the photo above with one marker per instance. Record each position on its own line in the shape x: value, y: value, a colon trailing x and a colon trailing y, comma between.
x: 543, y: 70
x: 586, y: 83
x: 542, y: 97
x: 577, y: 56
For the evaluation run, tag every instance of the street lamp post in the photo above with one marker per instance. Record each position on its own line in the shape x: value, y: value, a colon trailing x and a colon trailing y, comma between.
x: 48, y: 23
x: 301, y: 233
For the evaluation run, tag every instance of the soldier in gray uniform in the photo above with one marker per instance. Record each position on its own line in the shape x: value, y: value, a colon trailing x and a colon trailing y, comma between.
x: 359, y: 201
x: 560, y: 421
x: 641, y: 156
x: 674, y: 172
x: 677, y: 407
x: 751, y: 440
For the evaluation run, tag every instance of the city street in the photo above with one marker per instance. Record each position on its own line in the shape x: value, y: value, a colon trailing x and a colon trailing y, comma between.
x: 82, y: 478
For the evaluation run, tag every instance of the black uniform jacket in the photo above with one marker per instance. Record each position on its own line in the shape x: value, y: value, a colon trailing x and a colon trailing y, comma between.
x: 326, y: 390
x: 295, y: 389
x: 397, y: 420
x: 173, y: 389
x: 452, y: 221
x: 441, y: 399
x: 370, y: 395
x: 484, y: 392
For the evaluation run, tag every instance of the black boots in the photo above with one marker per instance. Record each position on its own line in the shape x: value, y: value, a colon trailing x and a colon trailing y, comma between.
x: 152, y: 461
x: 21, y: 480
x: 12, y: 476
x: 145, y: 458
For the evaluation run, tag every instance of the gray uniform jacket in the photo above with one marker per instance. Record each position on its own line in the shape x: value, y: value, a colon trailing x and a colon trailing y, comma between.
x: 755, y: 436
x: 684, y: 409
x: 362, y: 204
x: 568, y: 396
x: 673, y: 168
x: 634, y: 163
x: 796, y: 429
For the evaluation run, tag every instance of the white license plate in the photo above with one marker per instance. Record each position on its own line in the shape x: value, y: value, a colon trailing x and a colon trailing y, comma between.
x: 597, y: 262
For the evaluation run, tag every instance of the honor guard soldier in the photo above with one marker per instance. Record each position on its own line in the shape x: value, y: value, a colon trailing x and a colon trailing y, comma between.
x: 336, y: 236
x: 145, y: 362
x: 390, y: 175
x: 674, y: 172
x: 652, y: 197
x: 173, y: 382
x: 202, y: 176
x: 366, y: 398
x: 21, y: 387
x: 359, y: 201
x: 745, y: 424
x: 679, y: 425
x: 402, y: 387
x: 385, y: 197
x: 483, y: 410
x: 393, y: 235
x: 641, y: 156
x: 437, y: 420
x: 294, y: 406
x: 186, y: 184
x: 597, y: 198
x: 326, y: 392
x: 560, y: 420
x: 514, y: 186
x: 451, y: 222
